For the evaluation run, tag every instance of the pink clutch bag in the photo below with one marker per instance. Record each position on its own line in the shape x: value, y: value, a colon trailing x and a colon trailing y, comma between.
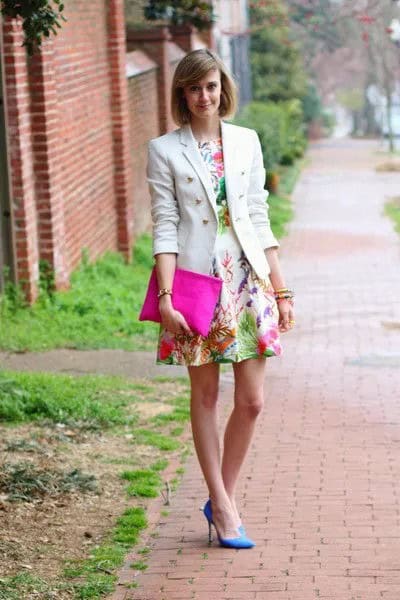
x: 193, y: 294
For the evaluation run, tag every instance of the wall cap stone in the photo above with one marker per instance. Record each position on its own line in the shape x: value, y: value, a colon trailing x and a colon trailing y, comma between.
x: 137, y: 63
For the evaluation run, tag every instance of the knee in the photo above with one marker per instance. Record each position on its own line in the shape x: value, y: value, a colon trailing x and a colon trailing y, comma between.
x: 207, y: 397
x: 250, y: 406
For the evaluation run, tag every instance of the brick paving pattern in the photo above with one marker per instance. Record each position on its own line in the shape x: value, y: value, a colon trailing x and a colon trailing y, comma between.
x: 320, y: 488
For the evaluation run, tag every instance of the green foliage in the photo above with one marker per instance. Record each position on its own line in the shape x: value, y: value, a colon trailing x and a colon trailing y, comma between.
x: 143, y: 482
x: 99, y: 311
x: 46, y: 279
x: 277, y: 69
x: 352, y: 98
x: 311, y: 103
x: 159, y: 465
x: 95, y: 574
x: 179, y: 414
x: 392, y: 210
x: 25, y: 585
x: 139, y: 565
x: 158, y: 440
x: 268, y: 121
x: 328, y: 121
x: 13, y: 297
x: 181, y: 12
x: 319, y: 19
x: 280, y: 128
x: 280, y: 213
x: 60, y: 398
x: 40, y: 18
x: 129, y: 526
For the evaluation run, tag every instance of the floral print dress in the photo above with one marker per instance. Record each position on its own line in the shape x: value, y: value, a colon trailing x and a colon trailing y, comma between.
x: 245, y: 323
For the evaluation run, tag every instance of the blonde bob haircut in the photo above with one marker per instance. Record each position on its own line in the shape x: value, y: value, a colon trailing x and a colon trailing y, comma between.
x: 190, y: 70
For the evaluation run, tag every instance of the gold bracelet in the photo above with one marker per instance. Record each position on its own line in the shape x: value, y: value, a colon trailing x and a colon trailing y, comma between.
x: 164, y: 292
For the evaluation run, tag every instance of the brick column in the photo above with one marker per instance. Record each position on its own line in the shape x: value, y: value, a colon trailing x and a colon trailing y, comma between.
x: 120, y: 126
x: 22, y: 201
x: 47, y: 165
x: 155, y: 43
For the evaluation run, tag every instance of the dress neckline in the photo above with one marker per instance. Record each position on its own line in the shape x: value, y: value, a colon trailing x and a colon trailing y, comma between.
x: 218, y: 139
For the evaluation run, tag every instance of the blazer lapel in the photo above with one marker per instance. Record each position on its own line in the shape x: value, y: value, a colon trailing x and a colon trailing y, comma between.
x: 192, y: 153
x: 229, y: 148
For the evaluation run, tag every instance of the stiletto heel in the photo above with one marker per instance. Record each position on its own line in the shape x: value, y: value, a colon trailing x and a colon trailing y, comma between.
x: 208, y: 515
x: 239, y: 542
x: 208, y: 511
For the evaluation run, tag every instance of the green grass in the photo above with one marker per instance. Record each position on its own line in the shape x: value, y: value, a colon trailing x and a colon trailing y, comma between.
x: 139, y: 565
x: 159, y: 465
x: 95, y: 574
x: 155, y: 439
x: 21, y: 585
x: 144, y: 483
x: 392, y: 210
x: 88, y: 401
x: 99, y: 311
x: 179, y: 414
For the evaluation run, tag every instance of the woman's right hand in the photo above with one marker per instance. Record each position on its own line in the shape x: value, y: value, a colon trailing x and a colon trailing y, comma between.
x: 172, y: 319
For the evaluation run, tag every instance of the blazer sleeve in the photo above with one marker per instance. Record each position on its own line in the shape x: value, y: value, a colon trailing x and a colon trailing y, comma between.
x: 257, y: 199
x: 164, y: 206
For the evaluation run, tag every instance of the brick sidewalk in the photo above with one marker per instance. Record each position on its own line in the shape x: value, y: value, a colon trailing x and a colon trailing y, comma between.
x: 320, y: 489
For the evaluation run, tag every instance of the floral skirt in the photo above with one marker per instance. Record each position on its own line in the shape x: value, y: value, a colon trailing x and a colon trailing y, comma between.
x: 245, y: 323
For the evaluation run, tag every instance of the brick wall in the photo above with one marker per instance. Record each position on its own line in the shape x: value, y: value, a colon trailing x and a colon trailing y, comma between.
x: 68, y: 138
x: 85, y: 144
x: 19, y: 121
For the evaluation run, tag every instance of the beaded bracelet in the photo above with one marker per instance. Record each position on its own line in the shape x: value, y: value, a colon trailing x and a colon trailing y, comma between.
x: 164, y: 292
x: 290, y: 300
x: 284, y: 294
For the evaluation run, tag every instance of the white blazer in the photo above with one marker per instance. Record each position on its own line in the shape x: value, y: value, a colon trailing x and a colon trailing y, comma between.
x: 184, y: 208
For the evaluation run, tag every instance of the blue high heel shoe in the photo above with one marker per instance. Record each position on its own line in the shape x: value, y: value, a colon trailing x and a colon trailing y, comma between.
x: 241, y: 541
x: 207, y: 508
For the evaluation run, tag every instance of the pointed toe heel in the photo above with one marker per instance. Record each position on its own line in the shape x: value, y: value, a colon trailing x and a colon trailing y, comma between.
x: 242, y: 541
x: 237, y: 543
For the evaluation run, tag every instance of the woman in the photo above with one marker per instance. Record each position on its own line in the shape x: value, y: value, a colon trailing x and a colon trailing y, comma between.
x: 210, y: 215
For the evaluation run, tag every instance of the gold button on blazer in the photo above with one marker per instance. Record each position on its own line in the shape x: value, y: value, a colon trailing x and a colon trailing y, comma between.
x: 178, y: 177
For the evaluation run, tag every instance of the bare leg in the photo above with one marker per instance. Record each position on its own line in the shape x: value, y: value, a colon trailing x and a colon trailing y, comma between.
x: 203, y: 409
x: 249, y: 399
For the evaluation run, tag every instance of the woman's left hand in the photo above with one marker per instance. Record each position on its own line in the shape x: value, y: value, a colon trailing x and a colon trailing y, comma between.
x: 286, y: 316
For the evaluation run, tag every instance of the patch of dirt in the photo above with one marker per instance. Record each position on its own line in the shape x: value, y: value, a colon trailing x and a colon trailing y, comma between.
x: 148, y: 410
x: 389, y: 166
x: 37, y: 536
x: 391, y: 324
x: 40, y: 533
